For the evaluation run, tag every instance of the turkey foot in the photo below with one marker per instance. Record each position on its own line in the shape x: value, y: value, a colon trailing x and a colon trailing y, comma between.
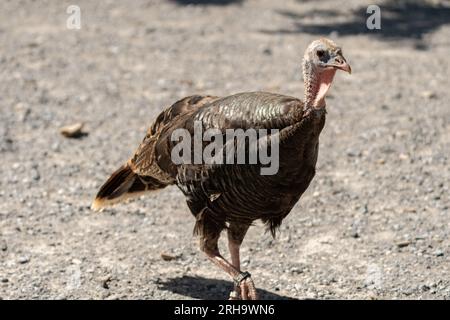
x: 244, y: 283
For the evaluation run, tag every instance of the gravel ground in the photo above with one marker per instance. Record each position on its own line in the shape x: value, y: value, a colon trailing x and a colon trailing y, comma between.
x: 374, y: 223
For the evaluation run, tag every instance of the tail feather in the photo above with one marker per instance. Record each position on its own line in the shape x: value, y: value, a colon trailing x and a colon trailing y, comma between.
x: 124, y: 184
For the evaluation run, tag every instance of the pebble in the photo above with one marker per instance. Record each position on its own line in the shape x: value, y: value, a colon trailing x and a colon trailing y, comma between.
x: 354, y: 234
x: 267, y: 52
x: 23, y: 259
x: 296, y: 270
x: 364, y: 209
x: 398, y: 95
x: 167, y: 257
x: 23, y: 111
x: 425, y: 287
x: 403, y: 244
x: 35, y: 174
x: 429, y: 95
x: 56, y: 147
x: 72, y: 130
x: 353, y: 153
x: 105, y: 281
x: 438, y: 253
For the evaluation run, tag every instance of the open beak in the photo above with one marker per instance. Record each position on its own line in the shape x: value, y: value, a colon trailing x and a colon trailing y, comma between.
x: 340, y: 63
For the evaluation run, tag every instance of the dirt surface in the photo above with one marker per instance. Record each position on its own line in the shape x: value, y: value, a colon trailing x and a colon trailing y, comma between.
x: 374, y: 223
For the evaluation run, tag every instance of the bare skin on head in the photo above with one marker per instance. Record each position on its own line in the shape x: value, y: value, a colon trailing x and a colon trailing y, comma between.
x: 321, y: 61
x: 233, y: 196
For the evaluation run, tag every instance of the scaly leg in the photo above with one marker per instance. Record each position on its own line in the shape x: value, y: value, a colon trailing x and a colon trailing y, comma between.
x: 244, y: 287
x: 208, y: 244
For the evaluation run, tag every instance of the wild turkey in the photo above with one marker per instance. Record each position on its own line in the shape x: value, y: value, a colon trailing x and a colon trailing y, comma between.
x: 233, y: 196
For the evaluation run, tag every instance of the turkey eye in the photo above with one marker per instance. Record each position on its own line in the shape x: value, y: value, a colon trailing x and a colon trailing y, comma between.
x: 320, y: 53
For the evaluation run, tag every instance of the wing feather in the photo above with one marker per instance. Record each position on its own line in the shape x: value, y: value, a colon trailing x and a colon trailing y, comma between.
x: 144, y: 160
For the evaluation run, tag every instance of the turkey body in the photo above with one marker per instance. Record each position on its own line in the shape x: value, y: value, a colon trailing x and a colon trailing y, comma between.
x: 220, y: 194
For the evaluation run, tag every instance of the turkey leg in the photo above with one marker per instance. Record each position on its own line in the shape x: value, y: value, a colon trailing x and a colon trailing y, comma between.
x: 242, y: 279
x: 243, y: 288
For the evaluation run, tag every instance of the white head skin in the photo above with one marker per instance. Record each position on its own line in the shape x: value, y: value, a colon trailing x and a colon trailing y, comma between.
x: 321, y: 60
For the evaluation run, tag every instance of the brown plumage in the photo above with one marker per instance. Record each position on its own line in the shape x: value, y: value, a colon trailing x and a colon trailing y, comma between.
x: 233, y: 196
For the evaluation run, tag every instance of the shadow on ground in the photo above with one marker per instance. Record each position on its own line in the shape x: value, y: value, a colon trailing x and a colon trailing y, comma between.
x: 206, y: 2
x: 208, y: 289
x: 407, y: 19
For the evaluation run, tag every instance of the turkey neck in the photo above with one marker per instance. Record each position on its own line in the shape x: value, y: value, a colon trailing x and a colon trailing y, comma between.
x: 317, y: 83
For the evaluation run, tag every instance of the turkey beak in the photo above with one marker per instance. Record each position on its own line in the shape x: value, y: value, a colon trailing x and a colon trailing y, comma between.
x: 340, y: 63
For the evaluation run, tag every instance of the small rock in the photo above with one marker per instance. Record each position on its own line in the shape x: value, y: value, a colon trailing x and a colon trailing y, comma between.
x: 23, y: 259
x: 364, y: 209
x: 425, y: 287
x: 167, y: 257
x: 5, y: 280
x: 3, y: 246
x: 105, y: 281
x: 354, y: 234
x: 267, y: 52
x: 403, y: 244
x: 73, y: 130
x: 438, y: 253
x: 296, y: 270
x: 114, y: 49
x: 429, y: 95
x: 34, y: 43
x: 398, y: 95
x: 23, y: 111
x: 353, y: 153
x: 35, y: 174
x: 56, y: 147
